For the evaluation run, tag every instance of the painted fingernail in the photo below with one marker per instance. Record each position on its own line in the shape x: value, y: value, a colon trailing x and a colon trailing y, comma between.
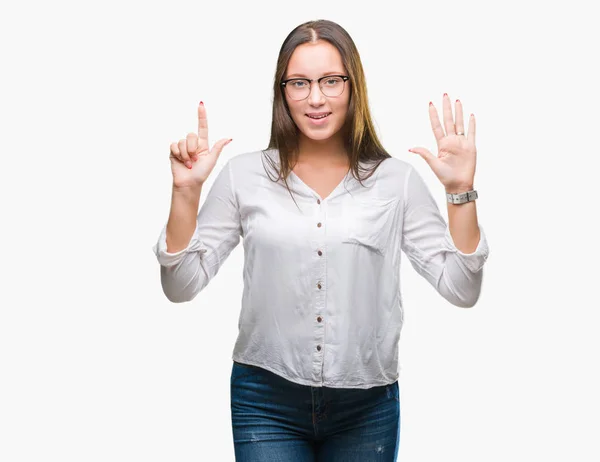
x: 458, y: 101
x: 430, y: 103
x: 201, y: 103
x: 445, y: 94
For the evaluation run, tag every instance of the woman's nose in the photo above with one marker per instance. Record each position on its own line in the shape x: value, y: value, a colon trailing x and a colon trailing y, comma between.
x: 316, y: 95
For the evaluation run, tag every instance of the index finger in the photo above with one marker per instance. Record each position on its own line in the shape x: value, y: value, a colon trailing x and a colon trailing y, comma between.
x: 202, y: 127
x: 438, y: 132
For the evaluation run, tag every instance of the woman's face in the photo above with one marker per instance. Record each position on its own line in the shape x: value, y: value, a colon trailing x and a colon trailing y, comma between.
x: 312, y: 61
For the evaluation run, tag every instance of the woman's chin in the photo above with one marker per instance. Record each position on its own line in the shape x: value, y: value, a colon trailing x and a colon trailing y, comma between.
x: 317, y: 135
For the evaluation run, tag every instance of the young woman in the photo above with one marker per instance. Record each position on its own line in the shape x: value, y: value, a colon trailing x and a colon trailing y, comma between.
x: 324, y: 213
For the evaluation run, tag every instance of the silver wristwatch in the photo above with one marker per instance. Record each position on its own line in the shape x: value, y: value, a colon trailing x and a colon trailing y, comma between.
x: 462, y: 197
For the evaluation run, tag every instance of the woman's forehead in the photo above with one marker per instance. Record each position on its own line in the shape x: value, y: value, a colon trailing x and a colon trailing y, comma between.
x: 312, y: 60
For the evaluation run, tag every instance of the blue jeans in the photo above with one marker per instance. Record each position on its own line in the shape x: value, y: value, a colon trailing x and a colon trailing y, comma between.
x: 276, y: 420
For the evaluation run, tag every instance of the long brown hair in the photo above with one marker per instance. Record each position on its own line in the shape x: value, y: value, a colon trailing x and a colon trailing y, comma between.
x: 360, y: 139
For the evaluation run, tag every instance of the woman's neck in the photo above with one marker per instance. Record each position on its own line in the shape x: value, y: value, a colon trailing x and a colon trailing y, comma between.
x: 322, y: 153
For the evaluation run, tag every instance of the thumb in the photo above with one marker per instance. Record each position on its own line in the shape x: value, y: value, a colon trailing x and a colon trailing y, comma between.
x: 424, y: 153
x: 219, y: 145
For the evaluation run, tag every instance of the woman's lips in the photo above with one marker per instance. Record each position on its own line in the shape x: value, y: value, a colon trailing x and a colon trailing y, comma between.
x: 319, y: 121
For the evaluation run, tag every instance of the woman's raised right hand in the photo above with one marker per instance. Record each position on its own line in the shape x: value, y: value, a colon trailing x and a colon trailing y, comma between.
x: 191, y: 160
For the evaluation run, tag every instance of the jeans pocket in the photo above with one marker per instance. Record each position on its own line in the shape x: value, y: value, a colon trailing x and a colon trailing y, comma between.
x: 393, y: 391
x: 240, y: 370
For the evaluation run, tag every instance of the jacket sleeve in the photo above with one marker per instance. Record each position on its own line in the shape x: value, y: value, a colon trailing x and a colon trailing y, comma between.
x: 218, y: 229
x: 428, y: 244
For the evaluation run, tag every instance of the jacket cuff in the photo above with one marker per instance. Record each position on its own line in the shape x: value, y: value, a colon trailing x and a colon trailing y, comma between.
x: 171, y: 259
x: 473, y: 261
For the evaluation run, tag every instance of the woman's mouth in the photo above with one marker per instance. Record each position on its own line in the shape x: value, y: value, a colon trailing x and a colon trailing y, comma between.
x: 318, y: 119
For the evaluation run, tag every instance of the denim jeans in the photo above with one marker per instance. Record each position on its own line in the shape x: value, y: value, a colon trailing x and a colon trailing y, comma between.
x: 276, y: 420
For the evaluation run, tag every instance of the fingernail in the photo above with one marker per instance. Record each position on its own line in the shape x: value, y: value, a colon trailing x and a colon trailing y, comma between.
x: 430, y: 103
x: 445, y: 94
x: 458, y: 101
x: 201, y: 103
x: 228, y: 141
x: 188, y: 164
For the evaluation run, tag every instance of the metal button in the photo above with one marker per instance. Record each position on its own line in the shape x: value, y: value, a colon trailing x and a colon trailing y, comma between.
x: 319, y: 285
x: 318, y: 347
x: 318, y: 225
x: 318, y: 201
x: 319, y: 319
x: 320, y: 253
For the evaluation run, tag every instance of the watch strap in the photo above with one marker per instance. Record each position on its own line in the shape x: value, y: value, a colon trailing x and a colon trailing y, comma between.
x: 462, y: 198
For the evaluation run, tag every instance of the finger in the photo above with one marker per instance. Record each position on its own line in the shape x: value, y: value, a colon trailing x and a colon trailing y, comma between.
x: 448, y: 119
x: 425, y: 154
x: 218, y: 147
x: 459, y: 124
x: 184, y: 155
x: 175, y: 151
x: 192, y: 145
x: 438, y: 132
x: 471, y: 136
x: 202, y: 128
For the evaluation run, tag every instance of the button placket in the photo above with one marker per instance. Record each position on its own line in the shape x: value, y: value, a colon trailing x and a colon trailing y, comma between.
x: 320, y: 296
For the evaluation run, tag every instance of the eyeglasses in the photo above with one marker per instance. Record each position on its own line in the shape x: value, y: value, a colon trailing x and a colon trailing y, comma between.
x: 330, y: 85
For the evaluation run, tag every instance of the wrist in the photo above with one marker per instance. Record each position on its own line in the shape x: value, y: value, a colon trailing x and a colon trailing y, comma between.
x: 187, y: 189
x: 187, y: 194
x: 460, y: 189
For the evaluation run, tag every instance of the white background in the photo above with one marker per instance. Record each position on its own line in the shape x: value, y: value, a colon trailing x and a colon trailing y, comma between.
x: 97, y: 365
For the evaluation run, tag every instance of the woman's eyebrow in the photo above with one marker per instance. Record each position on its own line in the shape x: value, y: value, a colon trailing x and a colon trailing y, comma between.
x: 303, y: 75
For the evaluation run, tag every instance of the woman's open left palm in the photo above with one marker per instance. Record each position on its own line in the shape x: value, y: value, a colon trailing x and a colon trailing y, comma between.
x: 455, y: 162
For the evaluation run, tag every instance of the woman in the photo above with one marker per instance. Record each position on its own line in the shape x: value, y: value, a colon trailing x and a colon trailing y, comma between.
x: 324, y: 212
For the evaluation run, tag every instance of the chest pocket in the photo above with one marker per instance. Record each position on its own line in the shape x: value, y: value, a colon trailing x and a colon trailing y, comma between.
x: 370, y: 223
